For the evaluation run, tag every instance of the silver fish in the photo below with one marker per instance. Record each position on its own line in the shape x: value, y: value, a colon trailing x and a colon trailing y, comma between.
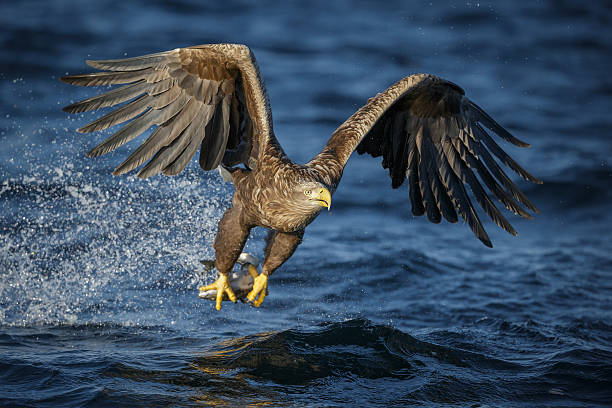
x: 240, y: 280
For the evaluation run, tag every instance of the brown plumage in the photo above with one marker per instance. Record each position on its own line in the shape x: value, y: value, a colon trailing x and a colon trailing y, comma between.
x: 213, y: 97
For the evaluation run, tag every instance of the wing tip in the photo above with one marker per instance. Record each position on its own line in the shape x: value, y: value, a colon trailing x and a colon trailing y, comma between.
x: 171, y: 170
x: 95, y: 152
x: 67, y: 79
x: 94, y: 63
x: 77, y: 80
x: 486, y: 241
x: 119, y: 171
x: 130, y: 163
x: 527, y: 176
x: 435, y: 220
x: 417, y: 211
x: 86, y: 129
x: 520, y: 143
x: 147, y: 171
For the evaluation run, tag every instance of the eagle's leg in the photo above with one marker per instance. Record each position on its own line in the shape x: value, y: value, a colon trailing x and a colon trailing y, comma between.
x: 279, y: 247
x: 230, y: 239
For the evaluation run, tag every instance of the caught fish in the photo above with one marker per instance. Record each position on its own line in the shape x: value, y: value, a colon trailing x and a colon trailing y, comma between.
x: 241, y: 280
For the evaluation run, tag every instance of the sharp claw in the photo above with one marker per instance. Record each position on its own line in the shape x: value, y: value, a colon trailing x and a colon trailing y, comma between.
x: 260, y: 299
x: 219, y: 299
x: 221, y: 285
x: 230, y: 294
x: 260, y: 285
x: 252, y: 294
x: 207, y: 287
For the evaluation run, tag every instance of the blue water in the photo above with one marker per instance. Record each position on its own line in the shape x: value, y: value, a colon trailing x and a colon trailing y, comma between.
x: 99, y: 274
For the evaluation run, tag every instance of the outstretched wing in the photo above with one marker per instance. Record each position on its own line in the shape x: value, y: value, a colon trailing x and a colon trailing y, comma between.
x: 428, y: 132
x: 210, y: 96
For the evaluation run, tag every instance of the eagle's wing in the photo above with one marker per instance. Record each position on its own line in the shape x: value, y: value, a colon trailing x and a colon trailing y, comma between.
x: 428, y: 132
x: 210, y: 96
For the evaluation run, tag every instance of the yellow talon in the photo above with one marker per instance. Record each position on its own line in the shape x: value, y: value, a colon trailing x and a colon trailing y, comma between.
x: 260, y: 285
x: 222, y: 286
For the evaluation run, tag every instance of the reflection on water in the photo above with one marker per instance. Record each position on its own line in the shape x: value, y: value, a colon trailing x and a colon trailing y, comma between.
x: 355, y: 351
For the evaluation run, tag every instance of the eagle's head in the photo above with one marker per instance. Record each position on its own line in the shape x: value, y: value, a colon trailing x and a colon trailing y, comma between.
x: 312, y: 195
x: 299, y: 203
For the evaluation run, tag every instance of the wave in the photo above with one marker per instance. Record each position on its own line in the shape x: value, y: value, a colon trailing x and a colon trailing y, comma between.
x: 356, y: 347
x: 377, y: 363
x: 362, y: 352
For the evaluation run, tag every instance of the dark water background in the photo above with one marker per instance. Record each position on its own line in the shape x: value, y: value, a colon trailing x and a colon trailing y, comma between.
x: 98, y: 288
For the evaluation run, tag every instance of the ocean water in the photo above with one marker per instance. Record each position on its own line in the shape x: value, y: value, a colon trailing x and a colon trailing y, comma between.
x: 99, y: 274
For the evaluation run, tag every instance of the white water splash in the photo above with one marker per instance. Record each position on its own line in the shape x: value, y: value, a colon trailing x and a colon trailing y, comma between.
x: 81, y: 248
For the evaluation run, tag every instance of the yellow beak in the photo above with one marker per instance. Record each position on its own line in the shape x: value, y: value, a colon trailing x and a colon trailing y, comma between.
x: 323, y: 198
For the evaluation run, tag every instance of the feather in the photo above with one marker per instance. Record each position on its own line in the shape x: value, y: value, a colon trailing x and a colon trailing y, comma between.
x: 166, y: 98
x: 162, y: 136
x: 126, y: 133
x: 108, y: 78
x: 179, y: 74
x: 110, y: 98
x: 455, y: 187
x: 465, y: 174
x: 426, y: 180
x: 487, y: 178
x: 120, y: 115
x: 208, y: 90
x: 164, y: 156
x: 213, y: 145
x: 168, y: 153
x: 504, y: 180
x: 160, y: 87
x: 183, y: 159
x: 119, y: 95
x: 185, y: 156
x: 172, y: 109
x: 503, y: 156
x: 485, y: 119
x: 400, y: 144
x: 387, y: 161
x: 443, y: 201
x: 412, y: 174
x: 189, y: 82
x: 141, y: 123
x: 133, y: 64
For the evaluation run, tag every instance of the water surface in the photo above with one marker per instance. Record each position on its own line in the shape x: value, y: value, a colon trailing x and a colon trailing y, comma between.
x: 99, y: 274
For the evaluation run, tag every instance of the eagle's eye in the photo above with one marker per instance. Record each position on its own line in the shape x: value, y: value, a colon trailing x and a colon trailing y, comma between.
x: 307, y: 192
